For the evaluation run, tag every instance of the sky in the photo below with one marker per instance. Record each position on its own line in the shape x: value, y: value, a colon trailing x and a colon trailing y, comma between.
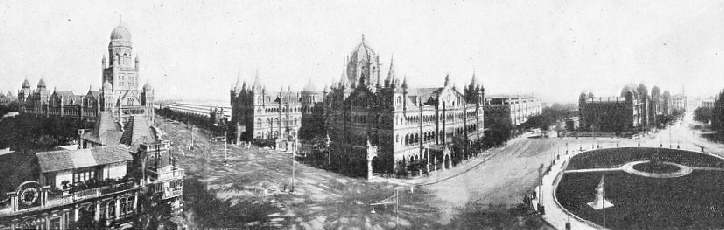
x: 196, y: 49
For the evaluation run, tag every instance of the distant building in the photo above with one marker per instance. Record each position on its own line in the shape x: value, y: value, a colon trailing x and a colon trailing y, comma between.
x: 118, y: 95
x: 7, y: 99
x: 708, y: 102
x: 572, y: 123
x: 274, y: 115
x: 679, y: 102
x: 630, y: 112
x: 516, y: 107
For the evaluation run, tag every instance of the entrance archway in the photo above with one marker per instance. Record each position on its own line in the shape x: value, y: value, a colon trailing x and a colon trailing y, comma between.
x: 376, y: 165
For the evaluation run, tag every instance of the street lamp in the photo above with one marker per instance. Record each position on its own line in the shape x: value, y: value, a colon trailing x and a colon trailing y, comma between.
x: 294, y: 158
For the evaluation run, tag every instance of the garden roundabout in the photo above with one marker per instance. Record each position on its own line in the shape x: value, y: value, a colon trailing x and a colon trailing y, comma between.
x: 644, y: 188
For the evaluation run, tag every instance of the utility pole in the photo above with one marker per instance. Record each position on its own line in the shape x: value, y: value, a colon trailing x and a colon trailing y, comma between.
x: 397, y: 207
x: 670, y: 136
x: 191, y: 147
x: 294, y: 159
x: 225, y: 148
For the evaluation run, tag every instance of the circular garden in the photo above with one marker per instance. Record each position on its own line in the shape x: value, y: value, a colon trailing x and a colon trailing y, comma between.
x: 693, y: 200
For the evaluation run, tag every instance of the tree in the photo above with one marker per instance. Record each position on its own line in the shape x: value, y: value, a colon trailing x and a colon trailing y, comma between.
x: 717, y: 117
x: 500, y: 131
x: 703, y: 114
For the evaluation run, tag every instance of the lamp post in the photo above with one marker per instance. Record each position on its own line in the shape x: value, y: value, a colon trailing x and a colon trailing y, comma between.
x: 191, y: 147
x: 294, y: 159
x: 670, y: 137
x: 225, y: 149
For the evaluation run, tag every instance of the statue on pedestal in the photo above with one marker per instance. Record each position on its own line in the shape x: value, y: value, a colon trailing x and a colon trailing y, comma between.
x: 600, y: 202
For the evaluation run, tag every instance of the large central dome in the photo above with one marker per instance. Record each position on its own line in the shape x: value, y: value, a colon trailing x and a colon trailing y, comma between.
x: 120, y: 33
x: 363, y: 53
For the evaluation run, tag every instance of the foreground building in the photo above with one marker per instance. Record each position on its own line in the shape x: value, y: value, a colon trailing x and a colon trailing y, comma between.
x: 516, y: 107
x: 373, y: 124
x: 122, y: 163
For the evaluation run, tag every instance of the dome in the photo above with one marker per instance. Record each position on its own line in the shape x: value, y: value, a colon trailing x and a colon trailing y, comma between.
x: 120, y: 33
x: 147, y: 87
x: 26, y: 84
x: 629, y: 87
x: 309, y: 87
x: 362, y: 53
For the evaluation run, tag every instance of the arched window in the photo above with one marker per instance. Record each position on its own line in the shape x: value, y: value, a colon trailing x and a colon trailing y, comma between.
x: 258, y: 122
x: 397, y: 138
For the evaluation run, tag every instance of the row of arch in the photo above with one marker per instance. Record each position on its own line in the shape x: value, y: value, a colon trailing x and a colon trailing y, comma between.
x: 278, y: 122
x: 429, y: 136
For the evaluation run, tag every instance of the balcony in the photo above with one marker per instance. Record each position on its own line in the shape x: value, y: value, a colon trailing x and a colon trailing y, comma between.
x: 64, y: 197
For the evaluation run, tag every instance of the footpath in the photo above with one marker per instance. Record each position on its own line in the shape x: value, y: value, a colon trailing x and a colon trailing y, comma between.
x: 555, y: 215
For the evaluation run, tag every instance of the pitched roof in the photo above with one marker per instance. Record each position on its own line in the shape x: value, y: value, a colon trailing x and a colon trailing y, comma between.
x: 70, y: 159
x: 94, y: 94
x: 105, y: 131
x: 66, y: 94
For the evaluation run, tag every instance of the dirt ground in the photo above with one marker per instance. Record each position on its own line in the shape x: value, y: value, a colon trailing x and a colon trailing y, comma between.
x: 254, y: 188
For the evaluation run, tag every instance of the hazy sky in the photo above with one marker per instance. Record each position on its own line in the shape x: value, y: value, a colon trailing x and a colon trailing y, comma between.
x: 195, y: 49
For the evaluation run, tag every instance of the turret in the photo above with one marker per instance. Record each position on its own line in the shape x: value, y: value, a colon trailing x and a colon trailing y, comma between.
x: 390, y: 73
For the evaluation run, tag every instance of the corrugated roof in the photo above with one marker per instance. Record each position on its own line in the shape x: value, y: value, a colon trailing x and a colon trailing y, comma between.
x: 70, y: 159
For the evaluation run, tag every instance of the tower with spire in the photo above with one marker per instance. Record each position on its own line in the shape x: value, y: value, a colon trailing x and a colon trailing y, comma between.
x: 402, y: 122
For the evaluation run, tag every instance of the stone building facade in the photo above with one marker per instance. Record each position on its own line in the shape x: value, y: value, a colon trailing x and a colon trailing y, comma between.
x: 516, y: 107
x: 264, y: 114
x: 120, y: 162
x: 627, y: 113
x: 118, y: 95
x: 406, y: 126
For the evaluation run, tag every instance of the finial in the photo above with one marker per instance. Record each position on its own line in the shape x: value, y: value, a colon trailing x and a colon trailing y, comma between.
x: 363, y: 38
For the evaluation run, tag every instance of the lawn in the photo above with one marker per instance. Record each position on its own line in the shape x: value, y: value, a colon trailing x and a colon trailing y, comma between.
x: 693, y: 201
x: 616, y: 157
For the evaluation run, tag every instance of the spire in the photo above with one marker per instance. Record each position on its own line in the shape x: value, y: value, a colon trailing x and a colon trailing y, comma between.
x: 257, y: 82
x: 343, y: 80
x: 238, y: 79
x: 243, y: 86
x: 90, y: 88
x: 473, y: 81
x: 391, y: 72
x: 404, y: 82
